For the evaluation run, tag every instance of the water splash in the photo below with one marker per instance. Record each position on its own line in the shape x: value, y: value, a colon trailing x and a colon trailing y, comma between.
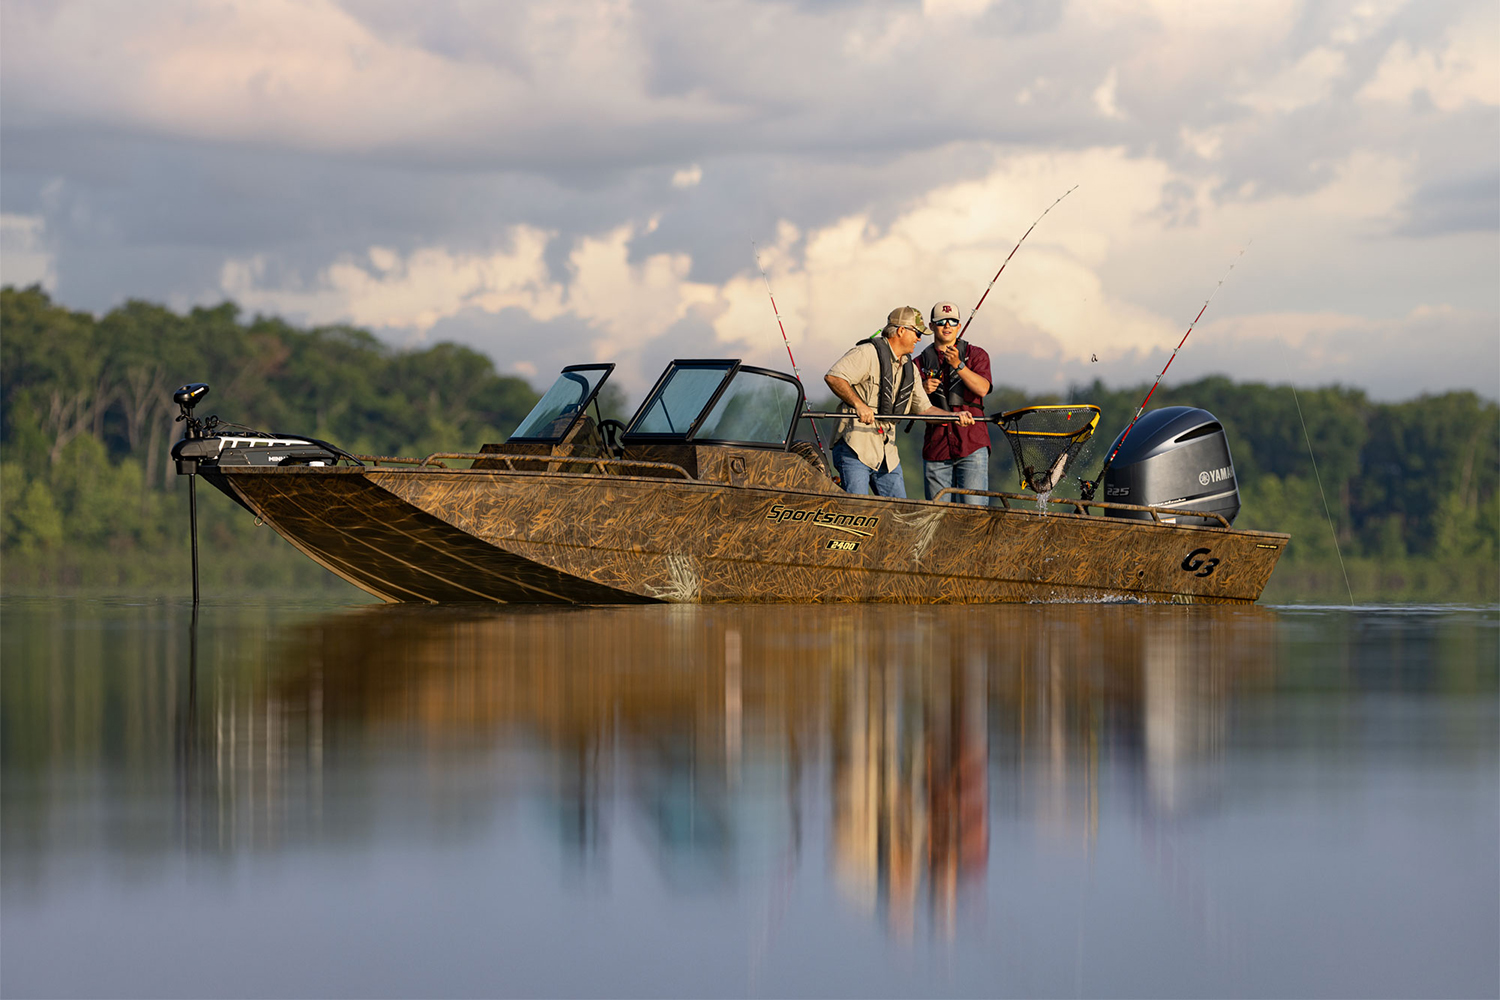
x: 1041, y: 502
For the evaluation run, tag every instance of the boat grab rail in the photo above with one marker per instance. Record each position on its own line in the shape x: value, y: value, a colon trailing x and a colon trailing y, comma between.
x: 1081, y: 506
x: 510, y: 460
x: 391, y: 460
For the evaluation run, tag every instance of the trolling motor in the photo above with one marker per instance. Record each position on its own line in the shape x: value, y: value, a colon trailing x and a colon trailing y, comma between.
x: 210, y: 444
x: 195, y: 445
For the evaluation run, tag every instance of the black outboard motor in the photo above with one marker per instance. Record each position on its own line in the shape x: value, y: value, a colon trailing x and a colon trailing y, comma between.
x: 1177, y: 456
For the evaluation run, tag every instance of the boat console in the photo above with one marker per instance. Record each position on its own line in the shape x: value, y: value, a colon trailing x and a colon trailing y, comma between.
x: 719, y: 420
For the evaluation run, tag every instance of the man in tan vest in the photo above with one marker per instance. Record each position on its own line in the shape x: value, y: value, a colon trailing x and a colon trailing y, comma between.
x: 876, y: 379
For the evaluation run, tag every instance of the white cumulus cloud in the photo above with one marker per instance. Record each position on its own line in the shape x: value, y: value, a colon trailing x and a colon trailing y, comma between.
x: 25, y: 258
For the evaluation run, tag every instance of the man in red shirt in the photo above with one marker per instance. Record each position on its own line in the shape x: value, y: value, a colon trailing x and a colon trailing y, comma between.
x: 956, y: 377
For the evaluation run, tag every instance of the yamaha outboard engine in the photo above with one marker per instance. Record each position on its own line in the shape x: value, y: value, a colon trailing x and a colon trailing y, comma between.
x: 1177, y: 456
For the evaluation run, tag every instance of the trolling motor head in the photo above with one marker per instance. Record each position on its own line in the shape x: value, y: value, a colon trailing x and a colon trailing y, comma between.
x: 186, y: 398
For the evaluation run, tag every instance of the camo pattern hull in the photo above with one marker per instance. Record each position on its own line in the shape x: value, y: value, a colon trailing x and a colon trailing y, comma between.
x: 441, y: 535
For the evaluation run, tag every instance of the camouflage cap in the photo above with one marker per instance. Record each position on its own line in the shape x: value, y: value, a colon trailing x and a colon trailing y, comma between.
x: 907, y: 316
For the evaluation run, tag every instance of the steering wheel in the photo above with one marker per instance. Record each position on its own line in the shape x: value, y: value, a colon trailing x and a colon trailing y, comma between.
x: 613, y: 433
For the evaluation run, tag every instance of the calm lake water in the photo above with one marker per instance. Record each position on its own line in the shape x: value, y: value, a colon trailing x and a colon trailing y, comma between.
x: 297, y: 800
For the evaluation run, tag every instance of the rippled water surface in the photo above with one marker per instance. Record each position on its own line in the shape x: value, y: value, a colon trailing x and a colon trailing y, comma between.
x: 1033, y: 801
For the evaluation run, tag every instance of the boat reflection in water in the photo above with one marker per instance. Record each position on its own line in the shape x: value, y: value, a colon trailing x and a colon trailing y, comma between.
x: 736, y: 738
x: 729, y: 800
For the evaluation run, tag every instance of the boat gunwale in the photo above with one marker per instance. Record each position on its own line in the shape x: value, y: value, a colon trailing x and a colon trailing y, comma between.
x: 964, y: 509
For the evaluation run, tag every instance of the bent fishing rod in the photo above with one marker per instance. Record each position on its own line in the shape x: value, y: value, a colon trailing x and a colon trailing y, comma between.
x: 972, y: 312
x: 1088, y: 486
x: 1008, y: 256
x: 795, y: 371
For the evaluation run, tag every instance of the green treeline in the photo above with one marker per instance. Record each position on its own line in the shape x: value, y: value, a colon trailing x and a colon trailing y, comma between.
x: 88, y: 495
x: 88, y: 491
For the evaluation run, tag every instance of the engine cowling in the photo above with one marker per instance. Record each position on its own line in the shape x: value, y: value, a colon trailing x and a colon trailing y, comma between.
x: 1177, y: 456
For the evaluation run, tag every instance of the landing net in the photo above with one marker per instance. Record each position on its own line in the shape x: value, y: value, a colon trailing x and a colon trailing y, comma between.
x: 1046, y: 439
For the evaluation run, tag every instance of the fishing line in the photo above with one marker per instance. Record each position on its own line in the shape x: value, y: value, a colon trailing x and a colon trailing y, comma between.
x: 806, y: 406
x: 1088, y: 487
x: 1008, y: 256
x: 1329, y: 514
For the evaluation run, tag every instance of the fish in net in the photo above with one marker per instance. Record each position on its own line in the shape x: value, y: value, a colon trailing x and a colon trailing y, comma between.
x: 1046, y: 439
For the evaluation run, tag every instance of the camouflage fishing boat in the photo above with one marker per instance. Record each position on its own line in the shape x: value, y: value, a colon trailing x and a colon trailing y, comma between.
x: 705, y: 495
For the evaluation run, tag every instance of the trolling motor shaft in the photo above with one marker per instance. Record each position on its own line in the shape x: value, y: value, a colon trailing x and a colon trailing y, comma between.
x: 187, y: 453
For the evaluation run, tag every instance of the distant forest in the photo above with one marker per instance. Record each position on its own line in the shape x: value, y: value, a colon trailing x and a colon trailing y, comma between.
x: 88, y: 495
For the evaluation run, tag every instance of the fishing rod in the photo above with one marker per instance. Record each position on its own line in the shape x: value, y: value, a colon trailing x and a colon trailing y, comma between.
x: 928, y: 418
x: 767, y: 278
x: 1087, y: 486
x: 1008, y: 417
x: 1008, y: 256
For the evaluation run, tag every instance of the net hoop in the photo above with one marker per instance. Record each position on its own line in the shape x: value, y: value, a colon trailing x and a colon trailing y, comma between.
x: 1043, y: 455
x: 1083, y: 434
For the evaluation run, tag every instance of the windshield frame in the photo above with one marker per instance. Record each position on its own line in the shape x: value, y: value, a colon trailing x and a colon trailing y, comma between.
x: 730, y: 367
x: 592, y: 399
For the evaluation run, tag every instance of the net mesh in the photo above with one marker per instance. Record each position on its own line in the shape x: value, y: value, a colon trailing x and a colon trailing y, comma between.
x: 1046, y: 439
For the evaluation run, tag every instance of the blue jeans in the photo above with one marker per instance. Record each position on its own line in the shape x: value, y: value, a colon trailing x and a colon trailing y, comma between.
x: 972, y: 472
x: 858, y: 476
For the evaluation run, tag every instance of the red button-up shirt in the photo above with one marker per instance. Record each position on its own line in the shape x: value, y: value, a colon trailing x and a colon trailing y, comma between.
x: 946, y: 442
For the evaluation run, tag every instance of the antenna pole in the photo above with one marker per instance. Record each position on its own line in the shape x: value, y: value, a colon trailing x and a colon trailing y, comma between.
x: 806, y: 406
x: 1089, y: 486
x: 1008, y: 256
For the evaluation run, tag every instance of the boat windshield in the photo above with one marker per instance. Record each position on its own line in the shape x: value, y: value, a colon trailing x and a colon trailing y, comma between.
x: 679, y: 399
x: 757, y: 407
x: 720, y: 402
x: 555, y: 413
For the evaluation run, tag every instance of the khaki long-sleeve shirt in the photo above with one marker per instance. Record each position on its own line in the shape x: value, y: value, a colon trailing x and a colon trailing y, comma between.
x: 874, y: 445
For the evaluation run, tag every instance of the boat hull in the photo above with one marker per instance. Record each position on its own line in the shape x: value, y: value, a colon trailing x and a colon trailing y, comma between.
x: 441, y: 535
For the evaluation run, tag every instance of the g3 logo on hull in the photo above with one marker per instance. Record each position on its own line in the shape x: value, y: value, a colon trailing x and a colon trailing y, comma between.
x: 1196, y: 566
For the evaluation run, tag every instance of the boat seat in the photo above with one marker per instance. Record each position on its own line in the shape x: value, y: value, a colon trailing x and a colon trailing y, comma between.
x: 813, y: 456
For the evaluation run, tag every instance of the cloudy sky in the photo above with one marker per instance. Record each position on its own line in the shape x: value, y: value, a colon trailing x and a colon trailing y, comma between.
x: 561, y: 182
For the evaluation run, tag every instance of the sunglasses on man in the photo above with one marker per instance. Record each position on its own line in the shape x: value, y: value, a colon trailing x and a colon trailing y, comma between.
x: 945, y: 322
